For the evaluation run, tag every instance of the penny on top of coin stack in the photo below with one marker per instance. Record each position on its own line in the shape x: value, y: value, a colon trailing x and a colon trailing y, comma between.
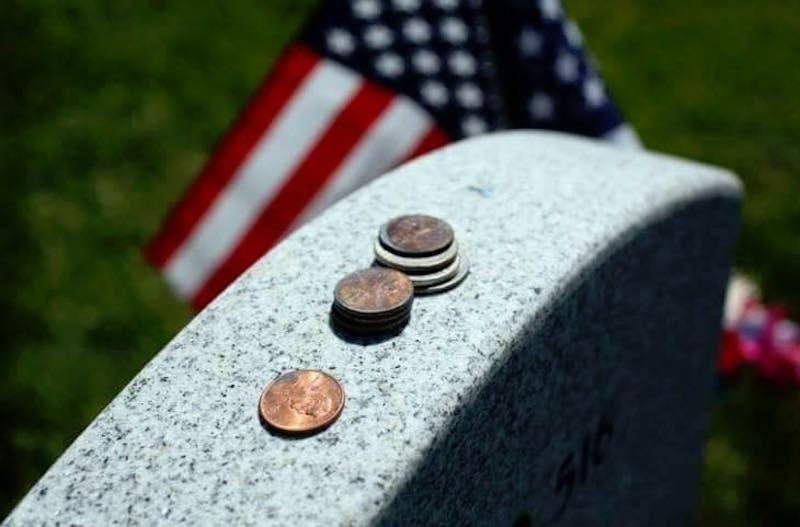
x: 372, y: 301
x: 425, y: 249
x: 301, y: 402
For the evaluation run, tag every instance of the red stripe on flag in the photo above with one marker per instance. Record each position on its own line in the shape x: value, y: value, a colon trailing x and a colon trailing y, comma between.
x: 254, y: 120
x: 432, y: 140
x: 350, y: 125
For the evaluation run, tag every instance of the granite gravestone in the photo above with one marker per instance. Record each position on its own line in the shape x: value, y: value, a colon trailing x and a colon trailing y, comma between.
x: 565, y: 382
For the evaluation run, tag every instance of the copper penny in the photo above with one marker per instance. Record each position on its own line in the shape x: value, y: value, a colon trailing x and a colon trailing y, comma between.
x: 363, y: 328
x: 416, y: 235
x: 371, y: 320
x: 301, y: 402
x: 373, y: 291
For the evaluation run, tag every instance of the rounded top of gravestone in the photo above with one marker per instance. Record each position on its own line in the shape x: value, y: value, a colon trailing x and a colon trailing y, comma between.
x: 492, y: 388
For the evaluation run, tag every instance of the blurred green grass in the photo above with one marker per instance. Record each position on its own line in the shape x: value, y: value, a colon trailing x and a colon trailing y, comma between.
x: 109, y: 109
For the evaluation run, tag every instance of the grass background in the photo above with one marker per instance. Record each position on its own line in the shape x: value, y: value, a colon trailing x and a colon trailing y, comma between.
x: 109, y: 109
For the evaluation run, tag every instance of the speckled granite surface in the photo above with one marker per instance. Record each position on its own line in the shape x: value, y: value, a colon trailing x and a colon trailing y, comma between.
x: 567, y: 377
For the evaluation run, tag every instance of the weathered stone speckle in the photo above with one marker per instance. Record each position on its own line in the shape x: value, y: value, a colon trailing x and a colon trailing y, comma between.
x: 592, y: 306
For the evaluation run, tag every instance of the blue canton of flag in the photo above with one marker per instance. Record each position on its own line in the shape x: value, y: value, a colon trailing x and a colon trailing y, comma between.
x: 474, y: 66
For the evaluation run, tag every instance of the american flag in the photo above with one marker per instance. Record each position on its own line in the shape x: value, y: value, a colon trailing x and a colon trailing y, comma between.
x: 368, y: 85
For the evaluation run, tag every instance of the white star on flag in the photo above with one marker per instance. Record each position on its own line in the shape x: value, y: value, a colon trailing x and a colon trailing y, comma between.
x: 593, y: 92
x: 406, y: 5
x: 541, y: 106
x: 340, y: 41
x: 461, y: 63
x: 550, y: 9
x: 530, y: 43
x: 469, y: 95
x: 426, y: 61
x: 378, y: 37
x: 453, y: 30
x: 446, y: 5
x: 573, y: 34
x: 473, y: 125
x: 434, y: 93
x: 417, y: 30
x: 366, y: 8
x: 389, y: 65
x: 567, y: 67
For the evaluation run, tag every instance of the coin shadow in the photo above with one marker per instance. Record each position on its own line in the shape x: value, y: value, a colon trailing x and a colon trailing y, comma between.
x: 362, y: 339
x: 292, y: 436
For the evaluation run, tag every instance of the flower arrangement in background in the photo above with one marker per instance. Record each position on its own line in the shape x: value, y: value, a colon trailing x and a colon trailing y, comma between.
x: 758, y: 336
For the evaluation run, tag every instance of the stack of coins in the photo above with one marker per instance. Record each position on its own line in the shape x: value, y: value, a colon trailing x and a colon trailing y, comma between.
x: 425, y: 249
x: 372, y: 301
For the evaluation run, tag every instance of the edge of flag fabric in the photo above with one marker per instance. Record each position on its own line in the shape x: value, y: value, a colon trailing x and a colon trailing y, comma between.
x: 371, y: 84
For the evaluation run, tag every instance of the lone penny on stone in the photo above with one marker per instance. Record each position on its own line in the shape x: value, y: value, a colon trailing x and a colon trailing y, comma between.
x: 301, y: 402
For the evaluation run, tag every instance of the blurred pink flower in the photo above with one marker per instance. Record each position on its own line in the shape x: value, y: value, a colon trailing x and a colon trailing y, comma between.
x: 759, y: 337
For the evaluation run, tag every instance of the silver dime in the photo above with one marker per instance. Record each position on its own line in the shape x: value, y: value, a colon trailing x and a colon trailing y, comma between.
x: 436, y: 277
x: 416, y: 265
x: 463, y: 271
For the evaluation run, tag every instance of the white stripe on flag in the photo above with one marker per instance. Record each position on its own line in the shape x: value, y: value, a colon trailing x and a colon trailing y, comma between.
x: 284, y: 145
x: 624, y: 135
x: 389, y: 140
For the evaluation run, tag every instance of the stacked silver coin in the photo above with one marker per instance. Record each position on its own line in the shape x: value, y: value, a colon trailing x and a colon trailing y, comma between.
x: 372, y: 301
x: 425, y: 249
